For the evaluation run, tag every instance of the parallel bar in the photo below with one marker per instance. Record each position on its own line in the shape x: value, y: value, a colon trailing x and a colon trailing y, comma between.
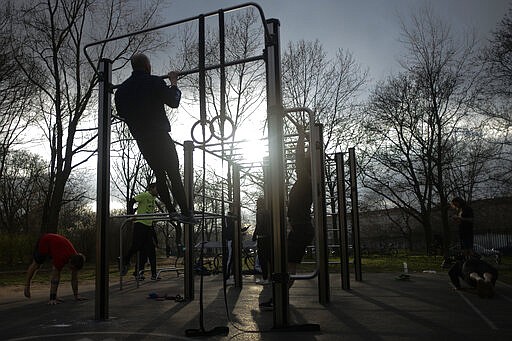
x: 237, y: 238
x: 228, y: 9
x: 222, y: 58
x: 217, y: 66
x: 342, y: 218
x: 275, y: 116
x: 202, y: 73
x: 188, y: 244
x: 318, y: 180
x: 267, y: 190
x: 103, y: 191
x: 356, y: 240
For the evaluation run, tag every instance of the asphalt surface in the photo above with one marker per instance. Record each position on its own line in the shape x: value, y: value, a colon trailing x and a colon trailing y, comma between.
x: 381, y: 307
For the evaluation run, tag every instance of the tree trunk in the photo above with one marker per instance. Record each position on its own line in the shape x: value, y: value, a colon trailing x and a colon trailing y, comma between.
x: 53, y: 204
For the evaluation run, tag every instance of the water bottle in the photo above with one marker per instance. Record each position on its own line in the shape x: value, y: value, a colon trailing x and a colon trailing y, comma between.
x: 406, y: 270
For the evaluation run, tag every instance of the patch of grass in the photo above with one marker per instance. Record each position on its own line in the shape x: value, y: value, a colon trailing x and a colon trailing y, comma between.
x: 42, y: 276
x: 415, y: 263
x: 371, y: 263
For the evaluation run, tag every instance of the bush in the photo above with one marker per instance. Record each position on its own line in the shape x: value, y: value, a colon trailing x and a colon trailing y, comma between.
x: 16, y: 249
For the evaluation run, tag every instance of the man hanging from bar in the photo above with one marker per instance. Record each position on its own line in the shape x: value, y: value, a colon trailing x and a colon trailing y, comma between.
x: 140, y: 101
x: 300, y: 200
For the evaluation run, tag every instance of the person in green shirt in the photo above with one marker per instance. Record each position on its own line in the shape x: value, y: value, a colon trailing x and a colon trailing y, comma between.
x: 143, y: 240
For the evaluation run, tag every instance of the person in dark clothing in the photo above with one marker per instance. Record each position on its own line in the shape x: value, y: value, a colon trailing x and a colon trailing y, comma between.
x: 477, y: 273
x: 143, y: 232
x: 140, y: 101
x: 464, y: 220
x: 227, y: 257
x: 300, y: 200
x: 262, y: 236
x: 299, y: 207
x: 148, y: 253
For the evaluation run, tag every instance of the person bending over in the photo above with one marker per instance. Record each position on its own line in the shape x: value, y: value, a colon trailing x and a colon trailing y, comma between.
x: 60, y: 250
x: 477, y: 273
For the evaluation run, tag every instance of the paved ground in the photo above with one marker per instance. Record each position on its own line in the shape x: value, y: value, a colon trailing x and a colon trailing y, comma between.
x: 379, y: 308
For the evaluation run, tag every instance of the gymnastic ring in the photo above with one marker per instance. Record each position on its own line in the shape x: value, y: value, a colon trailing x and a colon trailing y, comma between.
x: 226, y: 118
x: 207, y: 122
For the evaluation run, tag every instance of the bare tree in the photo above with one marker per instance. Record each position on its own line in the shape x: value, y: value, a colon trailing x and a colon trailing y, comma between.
x: 476, y: 163
x: 497, y: 79
x: 245, y: 83
x: 53, y: 34
x: 329, y: 86
x: 16, y: 113
x: 495, y: 100
x: 398, y: 161
x: 446, y: 74
x: 129, y: 170
x: 244, y: 92
x: 21, y: 192
x: 418, y: 114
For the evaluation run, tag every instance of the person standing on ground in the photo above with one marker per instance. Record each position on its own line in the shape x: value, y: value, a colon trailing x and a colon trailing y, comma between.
x: 477, y: 273
x: 60, y: 250
x: 464, y: 220
x: 227, y: 258
x: 143, y: 232
x: 262, y: 237
x: 140, y: 101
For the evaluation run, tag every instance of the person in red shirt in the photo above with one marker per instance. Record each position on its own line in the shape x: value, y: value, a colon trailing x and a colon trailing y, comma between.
x: 60, y: 250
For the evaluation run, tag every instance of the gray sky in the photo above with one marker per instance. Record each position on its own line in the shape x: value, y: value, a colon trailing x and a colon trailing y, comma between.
x: 369, y: 29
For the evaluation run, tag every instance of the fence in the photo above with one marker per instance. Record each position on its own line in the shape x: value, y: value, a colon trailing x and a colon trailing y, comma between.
x: 493, y: 240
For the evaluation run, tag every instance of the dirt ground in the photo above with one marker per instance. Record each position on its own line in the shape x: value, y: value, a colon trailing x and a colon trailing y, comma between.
x: 12, y: 293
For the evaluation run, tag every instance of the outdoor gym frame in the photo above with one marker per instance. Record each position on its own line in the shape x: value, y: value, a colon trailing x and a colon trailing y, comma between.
x: 275, y: 115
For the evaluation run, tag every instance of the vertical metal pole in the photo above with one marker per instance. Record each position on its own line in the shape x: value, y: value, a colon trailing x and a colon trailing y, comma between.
x: 237, y: 238
x: 121, y: 262
x: 103, y: 190
x: 275, y: 114
x: 222, y: 57
x: 342, y: 218
x: 202, y: 72
x: 356, y: 240
x: 188, y: 183
x: 266, y: 196
x: 316, y: 148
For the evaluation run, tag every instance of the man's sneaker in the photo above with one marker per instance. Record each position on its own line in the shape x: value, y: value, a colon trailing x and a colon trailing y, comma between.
x: 261, y: 281
x: 182, y: 218
x: 155, y: 278
x: 139, y: 278
x: 269, y: 305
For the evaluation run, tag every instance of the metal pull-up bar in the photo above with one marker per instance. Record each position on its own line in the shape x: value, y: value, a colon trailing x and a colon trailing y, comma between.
x: 174, y: 23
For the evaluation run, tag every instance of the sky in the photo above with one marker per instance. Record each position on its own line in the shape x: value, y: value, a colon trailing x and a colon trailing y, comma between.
x: 369, y: 29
